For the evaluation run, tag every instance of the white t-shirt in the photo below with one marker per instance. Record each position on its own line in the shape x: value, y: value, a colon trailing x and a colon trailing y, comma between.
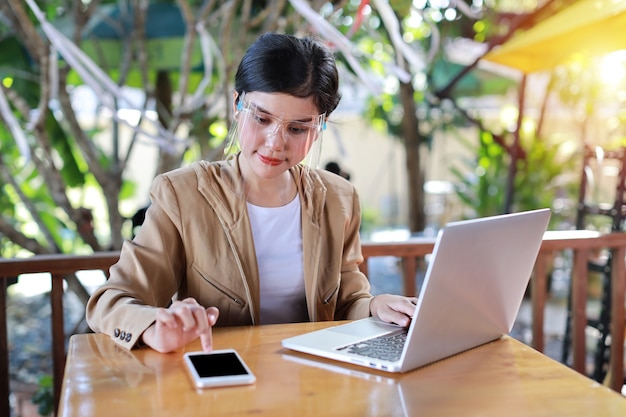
x: 277, y: 236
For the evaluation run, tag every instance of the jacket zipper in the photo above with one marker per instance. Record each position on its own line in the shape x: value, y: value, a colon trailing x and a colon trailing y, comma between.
x: 232, y: 298
x: 240, y: 268
x: 327, y: 299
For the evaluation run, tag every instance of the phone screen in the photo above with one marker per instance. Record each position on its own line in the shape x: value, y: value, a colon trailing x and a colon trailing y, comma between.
x: 218, y: 368
x: 217, y: 364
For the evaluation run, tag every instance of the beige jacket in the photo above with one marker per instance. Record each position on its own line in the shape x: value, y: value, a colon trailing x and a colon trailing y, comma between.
x: 197, y: 242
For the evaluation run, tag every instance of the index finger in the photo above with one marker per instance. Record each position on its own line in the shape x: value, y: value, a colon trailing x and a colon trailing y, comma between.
x: 206, y: 336
x: 206, y: 340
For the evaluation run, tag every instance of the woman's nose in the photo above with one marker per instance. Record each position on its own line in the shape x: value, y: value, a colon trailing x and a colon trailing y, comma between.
x: 275, y: 138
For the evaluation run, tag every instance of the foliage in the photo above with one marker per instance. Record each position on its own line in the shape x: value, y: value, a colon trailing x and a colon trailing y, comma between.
x: 482, y: 190
x: 414, y: 102
x: 44, y: 396
x: 548, y: 177
x: 545, y: 178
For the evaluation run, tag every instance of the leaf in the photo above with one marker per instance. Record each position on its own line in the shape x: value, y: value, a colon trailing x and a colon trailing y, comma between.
x: 70, y: 171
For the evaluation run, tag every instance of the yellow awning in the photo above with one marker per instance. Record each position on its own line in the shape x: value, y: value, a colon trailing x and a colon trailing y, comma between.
x: 589, y: 27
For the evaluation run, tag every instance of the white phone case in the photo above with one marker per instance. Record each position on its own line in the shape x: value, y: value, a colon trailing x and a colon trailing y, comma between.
x: 217, y: 368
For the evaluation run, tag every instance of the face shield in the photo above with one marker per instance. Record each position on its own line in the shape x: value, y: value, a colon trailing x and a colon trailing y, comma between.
x: 298, y: 135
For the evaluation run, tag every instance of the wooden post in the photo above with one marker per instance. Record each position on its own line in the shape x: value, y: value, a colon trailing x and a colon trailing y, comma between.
x: 5, y: 406
x: 58, y: 336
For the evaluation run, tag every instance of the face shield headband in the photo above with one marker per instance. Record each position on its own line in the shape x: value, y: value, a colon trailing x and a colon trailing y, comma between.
x: 299, y: 134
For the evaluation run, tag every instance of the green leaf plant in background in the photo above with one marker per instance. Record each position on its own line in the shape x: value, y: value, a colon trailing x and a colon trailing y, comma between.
x: 481, y: 181
x: 546, y: 177
x: 43, y: 397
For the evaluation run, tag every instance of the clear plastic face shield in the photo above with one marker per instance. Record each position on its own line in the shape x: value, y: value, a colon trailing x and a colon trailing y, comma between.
x: 296, y: 136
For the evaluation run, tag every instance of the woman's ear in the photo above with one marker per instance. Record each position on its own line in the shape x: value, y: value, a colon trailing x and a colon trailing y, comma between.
x: 236, y: 103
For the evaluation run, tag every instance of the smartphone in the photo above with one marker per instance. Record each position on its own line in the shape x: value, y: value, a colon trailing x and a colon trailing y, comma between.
x: 217, y: 368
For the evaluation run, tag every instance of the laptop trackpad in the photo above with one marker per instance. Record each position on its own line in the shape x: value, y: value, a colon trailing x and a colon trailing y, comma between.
x: 365, y: 328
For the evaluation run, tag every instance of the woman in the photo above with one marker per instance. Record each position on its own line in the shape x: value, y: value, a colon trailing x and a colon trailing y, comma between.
x: 258, y: 238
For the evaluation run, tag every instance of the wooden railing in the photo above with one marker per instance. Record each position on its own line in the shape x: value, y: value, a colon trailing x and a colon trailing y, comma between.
x: 58, y: 266
x: 582, y: 243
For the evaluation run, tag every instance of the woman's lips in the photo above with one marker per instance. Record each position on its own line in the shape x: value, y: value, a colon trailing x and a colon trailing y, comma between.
x: 270, y: 161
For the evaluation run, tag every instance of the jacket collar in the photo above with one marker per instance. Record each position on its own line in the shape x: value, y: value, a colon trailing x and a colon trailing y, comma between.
x: 221, y: 184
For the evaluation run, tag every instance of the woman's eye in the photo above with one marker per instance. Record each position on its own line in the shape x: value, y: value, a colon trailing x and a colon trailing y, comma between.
x: 262, y: 119
x: 298, y: 129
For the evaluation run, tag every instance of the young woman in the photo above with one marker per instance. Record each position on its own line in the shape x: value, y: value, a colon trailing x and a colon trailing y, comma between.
x: 258, y: 238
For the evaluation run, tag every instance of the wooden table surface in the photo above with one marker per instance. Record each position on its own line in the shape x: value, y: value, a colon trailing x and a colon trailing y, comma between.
x: 502, y: 378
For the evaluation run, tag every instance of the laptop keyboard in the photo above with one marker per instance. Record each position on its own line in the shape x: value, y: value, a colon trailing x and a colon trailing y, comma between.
x: 386, y: 347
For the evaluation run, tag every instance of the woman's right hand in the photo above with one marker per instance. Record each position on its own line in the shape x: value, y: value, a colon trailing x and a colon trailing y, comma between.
x: 179, y: 324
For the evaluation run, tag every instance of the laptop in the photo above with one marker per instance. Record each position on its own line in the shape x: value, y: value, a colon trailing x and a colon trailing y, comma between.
x: 471, y: 294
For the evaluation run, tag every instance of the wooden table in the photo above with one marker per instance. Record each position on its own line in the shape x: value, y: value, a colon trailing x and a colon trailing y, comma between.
x: 502, y: 378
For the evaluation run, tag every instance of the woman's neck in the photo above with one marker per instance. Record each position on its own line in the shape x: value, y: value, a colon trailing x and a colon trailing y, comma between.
x: 270, y: 192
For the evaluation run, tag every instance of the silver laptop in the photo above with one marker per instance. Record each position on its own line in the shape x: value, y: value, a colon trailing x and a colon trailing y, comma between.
x: 472, y: 292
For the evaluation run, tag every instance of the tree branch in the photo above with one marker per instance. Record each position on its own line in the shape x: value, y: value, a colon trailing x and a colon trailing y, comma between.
x: 518, y: 23
x: 34, y: 213
x: 9, y: 231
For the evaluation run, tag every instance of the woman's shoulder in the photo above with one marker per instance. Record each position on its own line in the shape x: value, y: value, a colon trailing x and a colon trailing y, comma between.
x: 205, y: 177
x: 337, y: 188
x: 333, y: 180
x: 193, y: 171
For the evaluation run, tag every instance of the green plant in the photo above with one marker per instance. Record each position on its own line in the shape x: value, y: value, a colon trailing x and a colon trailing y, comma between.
x: 546, y: 177
x: 44, y: 397
x: 481, y: 180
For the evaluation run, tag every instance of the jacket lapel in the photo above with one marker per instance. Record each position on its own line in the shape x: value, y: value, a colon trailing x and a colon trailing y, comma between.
x: 221, y: 185
x: 313, y: 198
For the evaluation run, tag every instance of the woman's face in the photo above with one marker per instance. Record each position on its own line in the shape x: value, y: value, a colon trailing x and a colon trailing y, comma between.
x: 276, y: 131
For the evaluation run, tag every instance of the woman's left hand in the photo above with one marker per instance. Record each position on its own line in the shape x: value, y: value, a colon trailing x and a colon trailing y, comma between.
x: 395, y: 309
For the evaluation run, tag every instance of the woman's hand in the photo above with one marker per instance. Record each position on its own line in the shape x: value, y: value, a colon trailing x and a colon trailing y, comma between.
x: 393, y: 308
x: 179, y: 324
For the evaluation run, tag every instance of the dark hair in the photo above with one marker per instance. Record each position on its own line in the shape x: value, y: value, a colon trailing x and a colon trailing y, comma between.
x: 301, y: 67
